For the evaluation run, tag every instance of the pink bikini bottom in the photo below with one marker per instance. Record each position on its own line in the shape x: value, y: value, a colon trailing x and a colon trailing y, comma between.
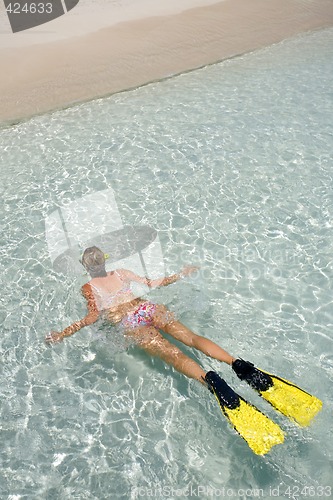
x: 142, y: 316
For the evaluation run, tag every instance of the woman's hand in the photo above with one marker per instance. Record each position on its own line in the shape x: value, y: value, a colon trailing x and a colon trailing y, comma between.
x: 53, y: 338
x: 189, y: 270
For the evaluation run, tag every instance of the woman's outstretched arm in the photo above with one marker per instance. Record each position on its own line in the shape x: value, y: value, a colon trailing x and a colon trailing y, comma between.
x: 167, y: 280
x: 91, y: 317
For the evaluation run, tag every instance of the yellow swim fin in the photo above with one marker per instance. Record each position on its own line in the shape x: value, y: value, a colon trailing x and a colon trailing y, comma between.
x: 283, y: 395
x: 260, y: 433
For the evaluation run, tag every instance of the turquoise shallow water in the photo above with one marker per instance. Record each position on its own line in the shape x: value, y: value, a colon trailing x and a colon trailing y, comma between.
x: 232, y: 165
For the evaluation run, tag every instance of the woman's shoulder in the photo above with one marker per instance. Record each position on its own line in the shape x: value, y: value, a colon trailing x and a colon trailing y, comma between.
x: 86, y: 285
x: 86, y: 289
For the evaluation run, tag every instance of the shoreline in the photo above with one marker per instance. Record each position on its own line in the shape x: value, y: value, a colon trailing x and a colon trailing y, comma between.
x: 49, y: 76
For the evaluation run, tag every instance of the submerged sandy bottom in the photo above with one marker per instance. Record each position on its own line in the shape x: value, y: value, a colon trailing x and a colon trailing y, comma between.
x: 44, y: 70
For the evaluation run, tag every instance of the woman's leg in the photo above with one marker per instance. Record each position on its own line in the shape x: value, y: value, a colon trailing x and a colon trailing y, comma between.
x: 149, y: 339
x: 189, y: 338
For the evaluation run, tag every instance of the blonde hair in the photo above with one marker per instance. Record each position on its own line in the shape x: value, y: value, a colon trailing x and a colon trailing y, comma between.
x: 93, y: 259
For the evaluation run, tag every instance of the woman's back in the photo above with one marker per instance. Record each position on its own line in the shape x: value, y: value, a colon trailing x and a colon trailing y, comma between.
x: 111, y: 290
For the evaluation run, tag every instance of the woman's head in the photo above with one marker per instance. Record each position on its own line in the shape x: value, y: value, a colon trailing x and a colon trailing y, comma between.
x: 93, y: 259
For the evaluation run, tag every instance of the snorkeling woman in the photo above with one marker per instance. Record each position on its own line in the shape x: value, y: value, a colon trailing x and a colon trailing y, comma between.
x: 109, y: 294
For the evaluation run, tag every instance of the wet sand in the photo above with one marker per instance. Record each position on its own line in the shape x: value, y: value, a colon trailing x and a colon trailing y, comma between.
x: 42, y: 75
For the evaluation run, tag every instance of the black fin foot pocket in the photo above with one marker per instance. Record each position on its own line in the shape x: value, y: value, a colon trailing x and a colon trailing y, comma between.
x: 252, y: 375
x: 226, y: 396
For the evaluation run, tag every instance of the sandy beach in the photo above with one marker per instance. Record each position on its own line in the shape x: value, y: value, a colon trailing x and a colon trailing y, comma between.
x: 79, y: 56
